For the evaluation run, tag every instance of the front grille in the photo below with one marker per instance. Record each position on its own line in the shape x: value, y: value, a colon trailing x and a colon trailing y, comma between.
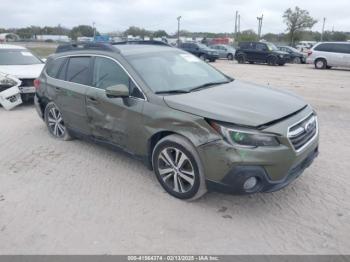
x: 303, y: 132
x: 27, y: 82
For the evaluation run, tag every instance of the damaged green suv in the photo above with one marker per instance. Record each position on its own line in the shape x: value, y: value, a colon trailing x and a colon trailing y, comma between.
x: 197, y: 128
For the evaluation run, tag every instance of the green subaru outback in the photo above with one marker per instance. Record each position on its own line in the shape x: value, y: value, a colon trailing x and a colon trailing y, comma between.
x: 197, y: 128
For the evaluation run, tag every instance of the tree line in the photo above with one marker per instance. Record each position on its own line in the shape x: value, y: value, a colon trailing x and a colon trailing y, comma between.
x: 298, y: 27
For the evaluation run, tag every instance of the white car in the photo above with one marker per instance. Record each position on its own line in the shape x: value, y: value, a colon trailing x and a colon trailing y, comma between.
x: 19, y: 62
x: 329, y: 54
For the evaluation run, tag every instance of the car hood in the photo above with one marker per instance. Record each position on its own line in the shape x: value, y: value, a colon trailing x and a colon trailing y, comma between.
x: 281, y: 52
x: 22, y: 71
x: 238, y: 102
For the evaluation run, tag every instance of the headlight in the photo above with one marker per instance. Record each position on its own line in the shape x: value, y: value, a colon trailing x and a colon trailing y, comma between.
x: 245, y: 137
x: 6, y: 82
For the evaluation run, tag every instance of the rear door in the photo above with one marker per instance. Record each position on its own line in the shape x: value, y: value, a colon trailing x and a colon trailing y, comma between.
x: 68, y: 89
x: 116, y: 120
x: 261, y: 52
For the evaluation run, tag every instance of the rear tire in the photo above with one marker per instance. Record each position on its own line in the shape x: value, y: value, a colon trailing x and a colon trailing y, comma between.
x: 178, y: 168
x: 320, y: 63
x: 212, y: 60
x: 55, y: 123
x: 241, y: 59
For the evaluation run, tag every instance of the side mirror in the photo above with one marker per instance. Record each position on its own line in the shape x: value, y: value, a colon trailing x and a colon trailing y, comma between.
x: 120, y: 90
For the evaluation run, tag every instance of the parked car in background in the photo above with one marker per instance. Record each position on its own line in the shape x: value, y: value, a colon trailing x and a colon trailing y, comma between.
x: 260, y: 52
x: 197, y: 128
x: 296, y: 57
x: 200, y: 50
x: 329, y: 54
x: 225, y: 51
x: 22, y: 64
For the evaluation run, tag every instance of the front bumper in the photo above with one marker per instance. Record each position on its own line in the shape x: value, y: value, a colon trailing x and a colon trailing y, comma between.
x: 212, y: 56
x: 233, y: 182
x: 226, y: 166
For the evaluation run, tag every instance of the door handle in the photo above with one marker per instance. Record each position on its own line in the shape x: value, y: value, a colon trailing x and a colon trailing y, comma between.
x: 92, y: 100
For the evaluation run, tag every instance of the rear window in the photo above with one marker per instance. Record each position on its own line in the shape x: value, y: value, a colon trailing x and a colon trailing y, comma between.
x: 246, y: 45
x: 18, y: 57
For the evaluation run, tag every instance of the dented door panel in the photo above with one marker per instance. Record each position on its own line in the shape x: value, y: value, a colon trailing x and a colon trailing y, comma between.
x: 117, y: 120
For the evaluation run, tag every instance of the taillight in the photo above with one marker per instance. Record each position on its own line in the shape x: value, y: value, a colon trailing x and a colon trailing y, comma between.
x: 37, y: 83
x: 309, y: 53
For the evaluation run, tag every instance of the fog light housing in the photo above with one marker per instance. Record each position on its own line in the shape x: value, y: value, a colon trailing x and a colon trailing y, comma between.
x: 250, y: 183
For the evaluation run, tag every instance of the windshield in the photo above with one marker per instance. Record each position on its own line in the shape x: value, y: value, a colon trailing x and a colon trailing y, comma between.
x: 202, y: 46
x: 18, y: 57
x: 170, y: 71
x: 271, y: 47
x: 293, y: 49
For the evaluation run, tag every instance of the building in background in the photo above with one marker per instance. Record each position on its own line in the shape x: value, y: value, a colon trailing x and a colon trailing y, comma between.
x: 53, y: 38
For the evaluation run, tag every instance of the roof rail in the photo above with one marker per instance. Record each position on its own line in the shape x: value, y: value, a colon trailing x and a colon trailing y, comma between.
x: 86, y: 46
x: 141, y: 42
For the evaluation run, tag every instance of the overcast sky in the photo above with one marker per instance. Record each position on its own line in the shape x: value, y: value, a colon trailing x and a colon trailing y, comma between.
x: 197, y: 15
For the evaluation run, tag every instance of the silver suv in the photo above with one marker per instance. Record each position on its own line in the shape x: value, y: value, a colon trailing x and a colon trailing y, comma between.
x: 329, y: 54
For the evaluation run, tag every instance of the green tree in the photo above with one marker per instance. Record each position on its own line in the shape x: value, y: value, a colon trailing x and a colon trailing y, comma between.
x: 137, y: 31
x: 297, y: 20
x: 82, y: 30
x: 246, y: 35
x: 159, y: 33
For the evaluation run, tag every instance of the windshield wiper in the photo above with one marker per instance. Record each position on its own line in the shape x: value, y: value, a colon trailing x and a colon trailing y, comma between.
x: 208, y: 85
x: 179, y: 91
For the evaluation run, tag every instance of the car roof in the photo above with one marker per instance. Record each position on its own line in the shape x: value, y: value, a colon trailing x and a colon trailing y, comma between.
x: 143, y: 49
x: 5, y: 46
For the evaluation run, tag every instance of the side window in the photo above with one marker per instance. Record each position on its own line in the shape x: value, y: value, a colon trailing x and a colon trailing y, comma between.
x: 324, y: 48
x: 78, y: 70
x: 62, y: 71
x: 261, y: 47
x: 108, y: 73
x: 54, y: 66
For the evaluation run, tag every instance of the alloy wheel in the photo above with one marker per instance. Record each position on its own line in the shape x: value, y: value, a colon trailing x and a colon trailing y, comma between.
x: 176, y: 170
x: 55, y: 122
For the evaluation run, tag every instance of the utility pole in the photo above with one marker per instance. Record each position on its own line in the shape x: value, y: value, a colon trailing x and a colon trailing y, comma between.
x: 260, y: 20
x: 239, y: 23
x: 94, y: 28
x: 178, y: 30
x: 324, y: 22
x: 236, y: 19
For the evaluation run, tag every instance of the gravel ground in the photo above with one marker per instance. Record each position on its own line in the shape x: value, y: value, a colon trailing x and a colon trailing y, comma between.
x: 81, y: 198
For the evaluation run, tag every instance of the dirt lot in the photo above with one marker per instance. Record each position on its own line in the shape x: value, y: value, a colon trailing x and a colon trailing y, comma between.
x: 76, y: 197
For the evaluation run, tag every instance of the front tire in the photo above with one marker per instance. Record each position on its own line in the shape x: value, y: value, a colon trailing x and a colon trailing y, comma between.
x: 230, y: 57
x: 178, y: 168
x: 272, y: 61
x: 202, y: 57
x: 296, y: 60
x: 55, y: 123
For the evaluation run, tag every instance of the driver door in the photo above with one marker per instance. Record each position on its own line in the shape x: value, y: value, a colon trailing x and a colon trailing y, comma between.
x: 113, y: 119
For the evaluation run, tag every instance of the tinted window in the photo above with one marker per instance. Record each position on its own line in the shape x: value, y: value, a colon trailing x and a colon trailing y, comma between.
x: 324, y: 48
x: 261, y: 47
x: 62, y: 71
x: 342, y: 48
x: 108, y: 73
x: 78, y: 70
x: 54, y: 66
